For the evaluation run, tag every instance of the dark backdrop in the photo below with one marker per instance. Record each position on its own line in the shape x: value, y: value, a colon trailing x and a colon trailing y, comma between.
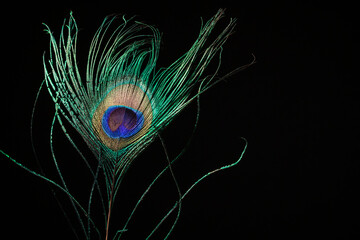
x: 297, y: 107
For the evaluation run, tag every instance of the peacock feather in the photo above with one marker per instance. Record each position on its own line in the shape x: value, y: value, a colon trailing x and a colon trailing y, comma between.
x: 124, y: 102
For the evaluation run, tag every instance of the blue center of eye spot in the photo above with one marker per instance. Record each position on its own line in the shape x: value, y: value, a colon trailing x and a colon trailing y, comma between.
x: 122, y: 122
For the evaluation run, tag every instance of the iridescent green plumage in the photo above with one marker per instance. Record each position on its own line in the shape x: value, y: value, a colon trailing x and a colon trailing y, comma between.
x: 128, y: 56
x: 124, y: 102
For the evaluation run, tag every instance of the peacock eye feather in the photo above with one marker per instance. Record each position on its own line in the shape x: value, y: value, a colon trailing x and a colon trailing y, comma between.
x: 123, y: 101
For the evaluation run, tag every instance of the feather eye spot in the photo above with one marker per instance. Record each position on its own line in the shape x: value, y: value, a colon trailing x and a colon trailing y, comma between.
x: 122, y: 122
x: 123, y: 115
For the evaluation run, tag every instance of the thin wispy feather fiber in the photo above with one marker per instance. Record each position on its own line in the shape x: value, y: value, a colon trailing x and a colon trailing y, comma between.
x: 124, y: 101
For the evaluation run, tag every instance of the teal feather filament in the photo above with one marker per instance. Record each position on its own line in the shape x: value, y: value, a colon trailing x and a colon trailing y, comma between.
x: 124, y: 102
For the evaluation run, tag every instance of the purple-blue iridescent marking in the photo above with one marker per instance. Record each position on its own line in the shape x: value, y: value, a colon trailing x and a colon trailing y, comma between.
x: 122, y: 122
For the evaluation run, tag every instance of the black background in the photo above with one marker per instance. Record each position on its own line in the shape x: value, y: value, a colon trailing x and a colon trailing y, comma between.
x: 297, y: 107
